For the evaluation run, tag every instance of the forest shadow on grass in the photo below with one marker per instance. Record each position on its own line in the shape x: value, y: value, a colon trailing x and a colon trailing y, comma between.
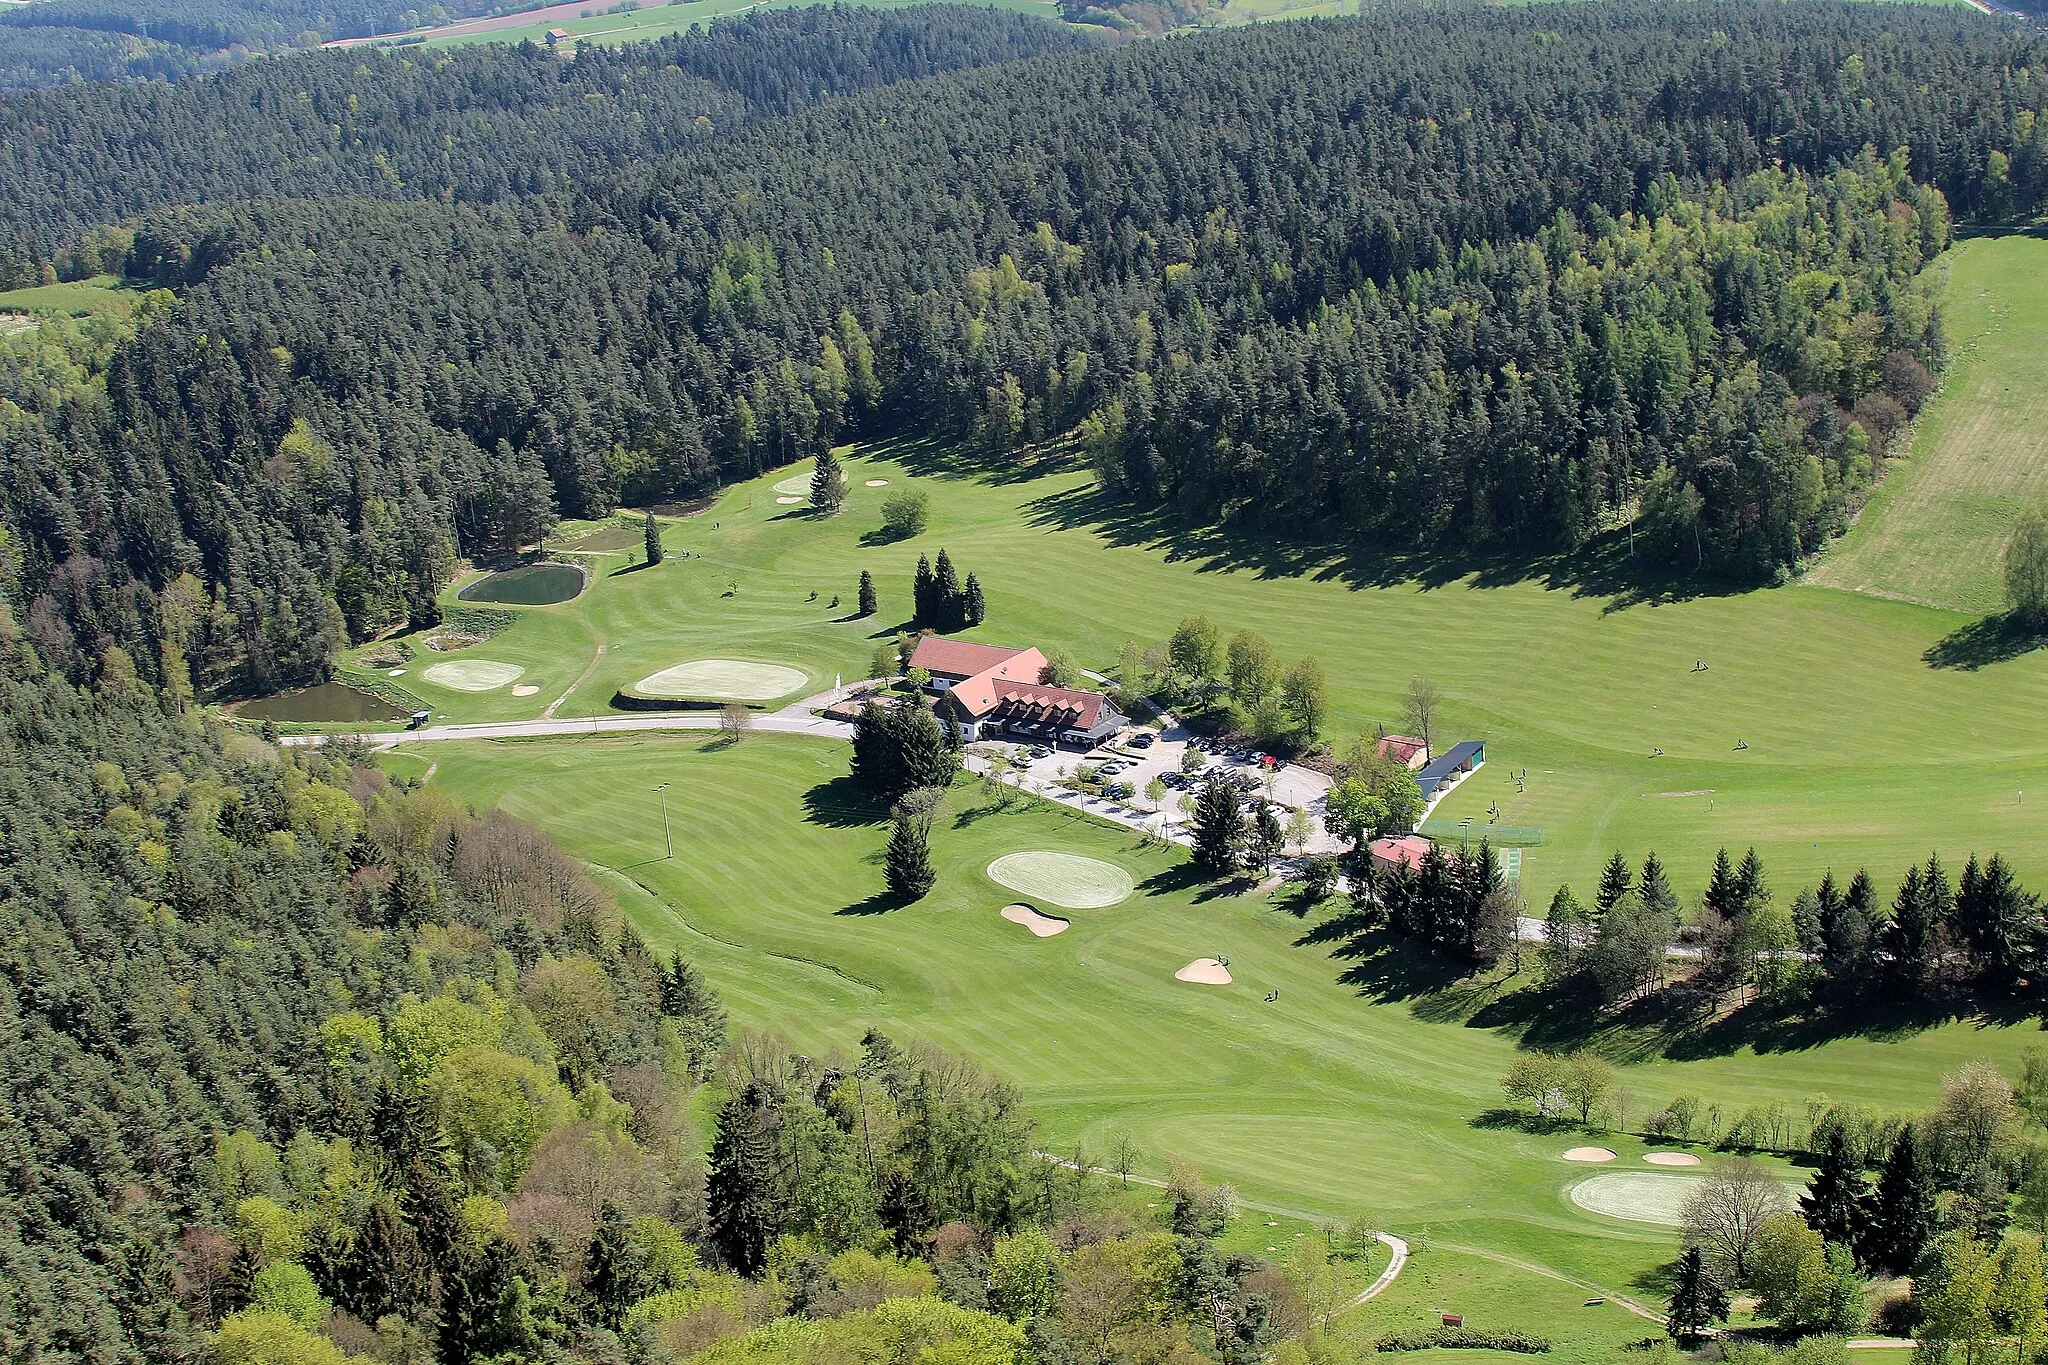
x: 1992, y: 640
x: 936, y: 458
x: 841, y: 804
x: 1599, y: 569
x: 881, y: 903
x: 1387, y: 968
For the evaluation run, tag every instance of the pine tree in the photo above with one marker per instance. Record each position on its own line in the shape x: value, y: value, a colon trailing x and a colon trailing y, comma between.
x: 1844, y: 928
x: 1566, y: 931
x: 652, y: 534
x: 485, y: 1308
x: 977, y: 607
x: 869, y: 604
x: 1999, y: 921
x: 828, y: 483
x: 1219, y: 828
x: 1697, y: 1300
x: 908, y: 861
x: 948, y: 608
x: 924, y: 602
x: 1615, y: 882
x: 742, y: 1197
x: 1899, y: 1215
x: 1833, y: 1204
x: 1655, y: 889
x: 1751, y: 893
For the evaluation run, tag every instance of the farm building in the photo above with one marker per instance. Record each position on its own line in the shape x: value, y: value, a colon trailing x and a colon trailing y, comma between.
x: 1397, y: 852
x: 1443, y: 772
x: 557, y: 36
x: 985, y: 691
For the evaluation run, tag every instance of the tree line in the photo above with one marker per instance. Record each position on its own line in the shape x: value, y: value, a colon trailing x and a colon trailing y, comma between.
x: 1633, y: 316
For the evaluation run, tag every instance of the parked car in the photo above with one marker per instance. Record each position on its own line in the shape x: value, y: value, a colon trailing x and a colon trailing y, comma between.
x: 1118, y: 791
x: 1173, y: 779
x: 1143, y: 740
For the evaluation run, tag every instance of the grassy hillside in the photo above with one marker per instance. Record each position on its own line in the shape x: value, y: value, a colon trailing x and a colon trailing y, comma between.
x: 1860, y: 752
x: 591, y: 23
x: 1936, y: 530
x: 1356, y: 1091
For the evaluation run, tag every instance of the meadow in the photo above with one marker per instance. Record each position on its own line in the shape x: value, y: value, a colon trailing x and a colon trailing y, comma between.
x: 593, y: 24
x: 1935, y: 529
x: 1353, y: 1092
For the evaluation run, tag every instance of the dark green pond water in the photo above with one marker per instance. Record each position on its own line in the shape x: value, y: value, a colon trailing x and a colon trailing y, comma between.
x: 328, y: 701
x: 536, y: 585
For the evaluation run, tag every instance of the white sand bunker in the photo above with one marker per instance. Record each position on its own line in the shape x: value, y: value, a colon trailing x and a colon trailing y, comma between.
x: 878, y: 483
x: 788, y: 502
x: 1204, y: 971
x: 1672, y: 1159
x: 1065, y: 879
x: 1637, y: 1196
x: 721, y: 680
x: 795, y: 483
x: 525, y: 690
x: 472, y: 675
x: 1044, y: 926
x: 1589, y: 1154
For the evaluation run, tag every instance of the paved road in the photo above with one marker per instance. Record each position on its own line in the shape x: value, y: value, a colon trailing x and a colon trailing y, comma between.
x: 794, y: 719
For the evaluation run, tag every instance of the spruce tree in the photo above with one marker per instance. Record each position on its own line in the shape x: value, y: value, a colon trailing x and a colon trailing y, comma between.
x: 1615, y: 882
x: 1999, y: 921
x: 1721, y: 893
x: 651, y: 533
x: 948, y: 606
x: 976, y: 608
x: 1910, y: 941
x: 1751, y: 893
x: 869, y: 604
x: 1566, y: 931
x: 828, y: 484
x: 742, y: 1197
x: 923, y: 601
x: 908, y: 862
x: 1697, y: 1300
x: 1655, y: 889
x: 1219, y: 828
x: 485, y: 1308
x: 614, y: 1277
x: 1899, y: 1215
x: 1265, y: 840
x: 1833, y: 1204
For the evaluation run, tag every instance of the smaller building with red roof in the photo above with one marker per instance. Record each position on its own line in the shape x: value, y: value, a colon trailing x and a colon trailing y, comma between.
x: 988, y: 690
x: 1398, y: 851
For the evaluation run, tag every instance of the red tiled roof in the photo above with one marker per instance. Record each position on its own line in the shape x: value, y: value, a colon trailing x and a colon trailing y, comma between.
x: 1406, y: 849
x: 961, y: 658
x: 1403, y: 749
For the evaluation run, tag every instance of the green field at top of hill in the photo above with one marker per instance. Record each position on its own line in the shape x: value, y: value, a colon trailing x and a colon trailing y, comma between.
x: 73, y: 299
x: 610, y: 24
x: 1935, y: 531
x: 1822, y: 729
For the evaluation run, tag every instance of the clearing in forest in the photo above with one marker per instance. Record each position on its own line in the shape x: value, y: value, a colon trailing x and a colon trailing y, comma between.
x: 1936, y: 531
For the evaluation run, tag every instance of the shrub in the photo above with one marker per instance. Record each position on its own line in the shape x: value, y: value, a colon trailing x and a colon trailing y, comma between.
x: 1463, y: 1339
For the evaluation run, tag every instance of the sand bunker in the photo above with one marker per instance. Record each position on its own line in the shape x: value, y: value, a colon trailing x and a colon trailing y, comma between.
x: 1204, y: 971
x: 1637, y: 1196
x: 472, y: 675
x: 721, y: 680
x: 1044, y: 926
x: 878, y: 483
x: 788, y: 502
x: 395, y: 673
x: 525, y: 690
x: 1672, y: 1159
x: 1589, y: 1154
x: 1065, y: 879
x: 795, y: 483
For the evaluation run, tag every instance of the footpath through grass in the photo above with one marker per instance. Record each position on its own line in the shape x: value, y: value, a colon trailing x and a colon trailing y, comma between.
x: 1936, y: 530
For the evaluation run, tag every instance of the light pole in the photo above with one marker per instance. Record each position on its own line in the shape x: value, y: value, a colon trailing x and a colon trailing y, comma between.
x: 668, y: 844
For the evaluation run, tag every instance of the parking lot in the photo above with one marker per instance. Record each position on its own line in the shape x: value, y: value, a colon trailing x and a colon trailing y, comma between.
x: 1138, y: 763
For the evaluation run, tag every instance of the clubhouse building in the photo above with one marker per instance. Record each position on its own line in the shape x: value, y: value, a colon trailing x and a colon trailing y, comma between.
x: 986, y: 690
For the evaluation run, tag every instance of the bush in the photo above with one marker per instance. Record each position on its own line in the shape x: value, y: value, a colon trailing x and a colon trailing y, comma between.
x: 1463, y: 1339
x: 905, y: 515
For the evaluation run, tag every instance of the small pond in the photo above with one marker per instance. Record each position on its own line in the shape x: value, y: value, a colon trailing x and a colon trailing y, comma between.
x: 534, y: 585
x: 329, y: 701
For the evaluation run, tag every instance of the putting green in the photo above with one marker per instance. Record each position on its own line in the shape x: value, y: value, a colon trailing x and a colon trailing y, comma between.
x: 1637, y: 1196
x: 721, y: 680
x: 472, y: 675
x: 796, y: 483
x: 1063, y: 878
